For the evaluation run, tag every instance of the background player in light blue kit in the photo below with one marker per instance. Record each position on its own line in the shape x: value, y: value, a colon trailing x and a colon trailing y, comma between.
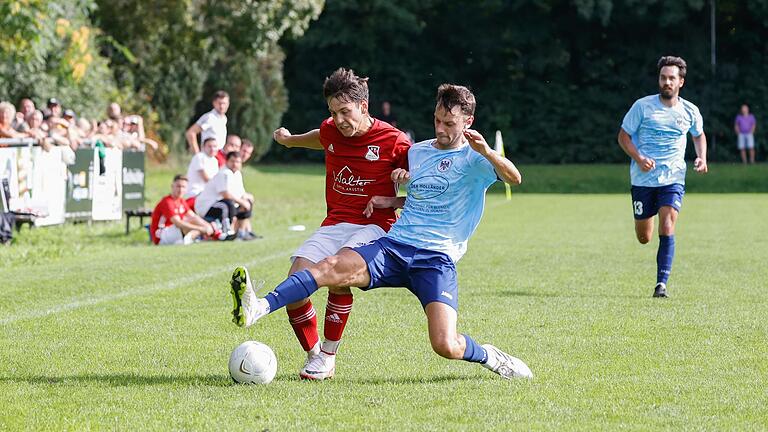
x: 446, y: 182
x: 654, y: 134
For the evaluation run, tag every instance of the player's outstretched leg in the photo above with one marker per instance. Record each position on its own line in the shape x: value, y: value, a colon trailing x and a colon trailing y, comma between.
x: 247, y: 307
x: 346, y: 269
x: 449, y: 344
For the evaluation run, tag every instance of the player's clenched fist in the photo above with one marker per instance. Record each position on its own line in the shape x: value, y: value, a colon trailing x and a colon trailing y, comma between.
x: 646, y: 164
x: 281, y: 134
x: 476, y: 141
x: 400, y: 176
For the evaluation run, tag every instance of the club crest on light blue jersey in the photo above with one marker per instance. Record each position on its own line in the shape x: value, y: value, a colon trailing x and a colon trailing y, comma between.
x: 446, y: 198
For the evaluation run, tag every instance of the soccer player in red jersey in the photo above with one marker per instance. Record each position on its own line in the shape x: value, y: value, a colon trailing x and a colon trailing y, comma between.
x: 173, y: 222
x: 360, y: 154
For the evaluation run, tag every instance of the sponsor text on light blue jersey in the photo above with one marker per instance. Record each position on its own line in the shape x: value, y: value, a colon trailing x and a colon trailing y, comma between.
x: 446, y: 198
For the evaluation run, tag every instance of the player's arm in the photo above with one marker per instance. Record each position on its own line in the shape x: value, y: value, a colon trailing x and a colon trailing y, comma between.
x: 505, y: 169
x: 201, y: 224
x: 186, y: 226
x: 244, y: 203
x: 204, y: 175
x: 383, y: 202
x: 700, y: 144
x: 310, y: 140
x: 191, y: 135
x: 625, y: 142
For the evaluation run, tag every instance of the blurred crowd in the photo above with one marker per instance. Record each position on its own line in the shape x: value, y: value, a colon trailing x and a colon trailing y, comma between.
x: 56, y: 126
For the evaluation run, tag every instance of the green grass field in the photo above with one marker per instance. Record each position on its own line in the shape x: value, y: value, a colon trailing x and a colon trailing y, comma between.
x: 102, y: 331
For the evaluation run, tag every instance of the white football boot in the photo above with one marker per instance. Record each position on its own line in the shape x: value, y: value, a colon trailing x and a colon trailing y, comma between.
x: 319, y: 367
x: 504, y: 364
x: 248, y: 308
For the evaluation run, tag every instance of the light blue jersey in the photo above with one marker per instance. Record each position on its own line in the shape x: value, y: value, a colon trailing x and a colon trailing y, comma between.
x: 446, y: 198
x: 659, y: 132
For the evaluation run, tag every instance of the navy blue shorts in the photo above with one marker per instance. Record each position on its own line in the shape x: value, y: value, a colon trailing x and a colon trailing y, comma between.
x: 646, y: 201
x: 429, y: 275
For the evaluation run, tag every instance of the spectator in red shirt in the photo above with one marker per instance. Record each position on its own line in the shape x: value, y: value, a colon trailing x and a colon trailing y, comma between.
x: 173, y: 222
x: 232, y: 144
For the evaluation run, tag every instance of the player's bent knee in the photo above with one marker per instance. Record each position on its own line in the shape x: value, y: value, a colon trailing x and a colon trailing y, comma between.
x: 643, y: 239
x: 327, y: 273
x: 448, y: 348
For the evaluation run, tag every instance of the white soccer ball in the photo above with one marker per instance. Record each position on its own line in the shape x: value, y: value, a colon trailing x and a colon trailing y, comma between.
x: 252, y: 363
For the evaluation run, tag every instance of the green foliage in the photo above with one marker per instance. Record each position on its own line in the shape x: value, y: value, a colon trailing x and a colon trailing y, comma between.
x: 556, y: 77
x: 183, y: 50
x: 49, y: 49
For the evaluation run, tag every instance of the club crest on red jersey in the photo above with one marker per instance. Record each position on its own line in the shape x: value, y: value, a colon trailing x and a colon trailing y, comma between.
x: 373, y: 153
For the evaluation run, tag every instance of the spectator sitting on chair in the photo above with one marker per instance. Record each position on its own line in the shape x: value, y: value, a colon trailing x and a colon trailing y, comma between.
x: 201, y: 170
x: 224, y: 199
x: 173, y: 222
x: 232, y: 144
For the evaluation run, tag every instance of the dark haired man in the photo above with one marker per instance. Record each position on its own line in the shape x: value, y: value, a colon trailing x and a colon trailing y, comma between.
x: 173, y: 222
x: 225, y: 200
x: 654, y: 134
x: 211, y: 124
x: 446, y: 185
x: 360, y: 154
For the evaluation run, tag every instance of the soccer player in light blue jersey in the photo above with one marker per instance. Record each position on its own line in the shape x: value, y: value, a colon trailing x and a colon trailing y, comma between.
x: 654, y: 134
x: 446, y: 183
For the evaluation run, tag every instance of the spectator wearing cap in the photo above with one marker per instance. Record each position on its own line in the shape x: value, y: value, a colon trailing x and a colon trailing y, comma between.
x: 133, y: 129
x: 56, y: 124
x: 211, y: 124
x: 232, y: 144
x: 246, y: 150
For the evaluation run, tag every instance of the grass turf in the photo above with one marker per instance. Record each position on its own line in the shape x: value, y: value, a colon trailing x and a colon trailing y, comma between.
x: 103, y: 331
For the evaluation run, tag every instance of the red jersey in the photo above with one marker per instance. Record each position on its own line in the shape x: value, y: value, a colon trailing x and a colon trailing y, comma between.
x: 221, y: 158
x: 359, y: 167
x: 167, y: 208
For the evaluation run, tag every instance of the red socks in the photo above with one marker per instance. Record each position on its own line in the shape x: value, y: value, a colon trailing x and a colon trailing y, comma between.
x: 336, y: 316
x: 304, y: 323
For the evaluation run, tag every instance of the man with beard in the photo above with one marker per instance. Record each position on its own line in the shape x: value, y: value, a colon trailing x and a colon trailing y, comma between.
x: 654, y: 134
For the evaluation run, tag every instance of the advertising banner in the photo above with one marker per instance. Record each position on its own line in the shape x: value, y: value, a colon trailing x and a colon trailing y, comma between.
x: 108, y: 186
x: 79, y: 185
x: 133, y: 180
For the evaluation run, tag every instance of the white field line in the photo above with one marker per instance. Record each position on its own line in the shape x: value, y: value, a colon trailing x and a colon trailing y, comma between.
x: 143, y: 290
x: 146, y: 289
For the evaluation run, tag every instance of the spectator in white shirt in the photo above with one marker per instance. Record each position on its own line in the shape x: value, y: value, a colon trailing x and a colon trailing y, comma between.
x: 202, y: 168
x: 211, y: 124
x: 224, y: 199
